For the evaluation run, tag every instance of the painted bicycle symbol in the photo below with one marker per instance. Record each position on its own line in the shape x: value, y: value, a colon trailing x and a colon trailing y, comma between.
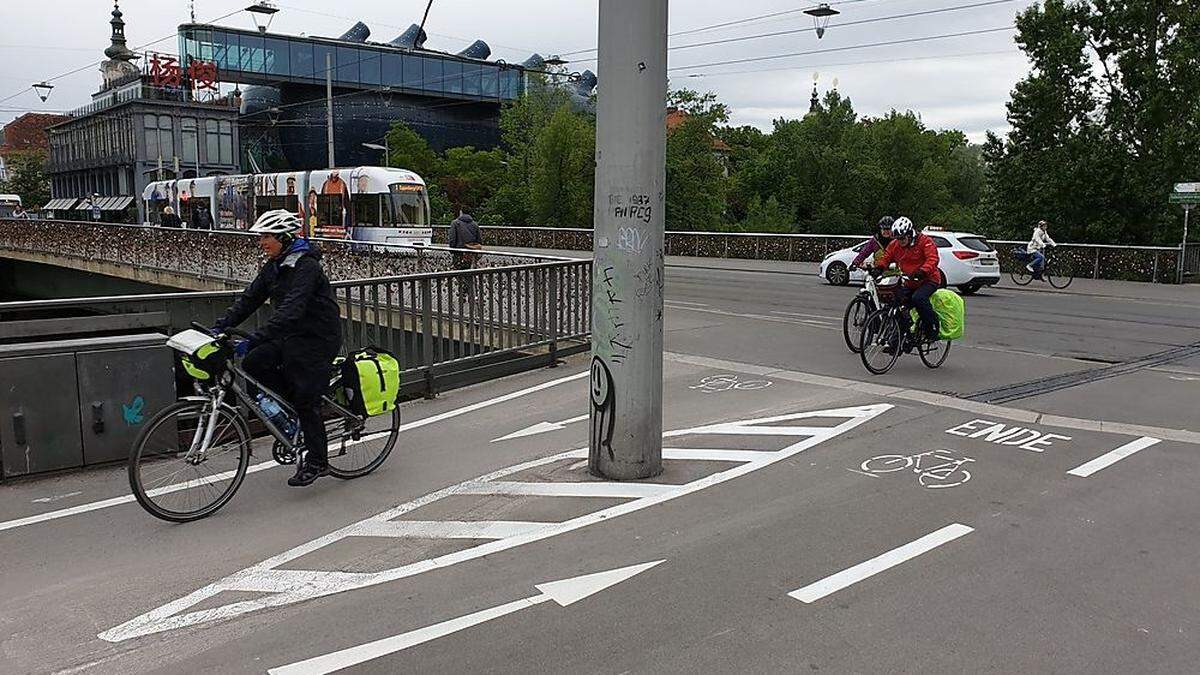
x: 718, y: 383
x: 935, y: 468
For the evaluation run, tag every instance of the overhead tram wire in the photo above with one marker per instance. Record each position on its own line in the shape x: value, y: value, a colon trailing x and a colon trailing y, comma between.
x: 887, y: 43
x: 892, y: 17
x: 727, y: 24
x: 907, y: 15
x: 995, y: 52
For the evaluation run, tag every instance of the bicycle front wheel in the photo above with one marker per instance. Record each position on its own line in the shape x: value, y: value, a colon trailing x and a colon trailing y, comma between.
x: 852, y: 323
x: 1059, y: 281
x: 175, y: 475
x: 887, y: 463
x: 879, y: 345
x: 355, y: 452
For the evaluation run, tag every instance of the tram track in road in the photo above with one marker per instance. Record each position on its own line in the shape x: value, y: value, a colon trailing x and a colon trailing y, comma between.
x: 1031, y: 388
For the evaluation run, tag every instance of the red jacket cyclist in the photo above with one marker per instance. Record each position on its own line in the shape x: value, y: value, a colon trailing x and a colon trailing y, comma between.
x: 917, y: 257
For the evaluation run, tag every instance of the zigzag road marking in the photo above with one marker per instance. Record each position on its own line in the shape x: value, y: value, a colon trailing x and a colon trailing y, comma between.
x: 285, y: 587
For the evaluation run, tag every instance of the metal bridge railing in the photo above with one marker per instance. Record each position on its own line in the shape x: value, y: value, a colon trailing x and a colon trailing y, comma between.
x: 447, y: 328
x: 223, y: 255
x: 1097, y: 261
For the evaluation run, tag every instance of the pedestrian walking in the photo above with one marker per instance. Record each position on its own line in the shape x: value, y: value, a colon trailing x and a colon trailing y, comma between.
x: 465, y: 242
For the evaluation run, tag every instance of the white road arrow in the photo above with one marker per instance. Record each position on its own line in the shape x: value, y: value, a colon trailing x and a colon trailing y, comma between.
x: 564, y: 592
x: 540, y: 428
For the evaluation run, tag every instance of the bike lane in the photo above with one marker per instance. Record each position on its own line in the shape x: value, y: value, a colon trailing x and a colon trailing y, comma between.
x: 733, y: 551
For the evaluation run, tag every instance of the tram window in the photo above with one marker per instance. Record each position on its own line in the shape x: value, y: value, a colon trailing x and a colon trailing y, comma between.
x: 329, y: 211
x: 264, y: 203
x: 366, y: 210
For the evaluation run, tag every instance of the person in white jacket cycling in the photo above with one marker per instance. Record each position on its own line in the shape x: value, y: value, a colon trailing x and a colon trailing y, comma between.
x: 1037, y: 258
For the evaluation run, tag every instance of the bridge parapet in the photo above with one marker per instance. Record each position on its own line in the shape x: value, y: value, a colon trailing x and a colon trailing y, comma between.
x: 220, y: 256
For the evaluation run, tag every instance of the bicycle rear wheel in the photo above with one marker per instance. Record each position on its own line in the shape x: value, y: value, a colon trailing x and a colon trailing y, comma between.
x: 1021, y: 275
x: 354, y: 451
x: 880, y: 335
x: 1057, y: 280
x: 852, y: 323
x: 933, y: 353
x: 169, y: 474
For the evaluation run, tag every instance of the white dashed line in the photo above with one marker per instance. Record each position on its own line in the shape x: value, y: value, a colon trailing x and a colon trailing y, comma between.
x: 863, y: 570
x: 1109, y: 458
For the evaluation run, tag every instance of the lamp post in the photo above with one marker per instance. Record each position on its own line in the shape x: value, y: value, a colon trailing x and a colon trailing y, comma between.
x: 387, y: 160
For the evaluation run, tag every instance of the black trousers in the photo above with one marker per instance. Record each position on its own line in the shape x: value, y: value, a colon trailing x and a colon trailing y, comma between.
x: 299, y: 370
x: 919, y: 298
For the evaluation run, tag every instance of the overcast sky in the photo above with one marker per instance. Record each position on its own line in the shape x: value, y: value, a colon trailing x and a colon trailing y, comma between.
x: 959, y: 82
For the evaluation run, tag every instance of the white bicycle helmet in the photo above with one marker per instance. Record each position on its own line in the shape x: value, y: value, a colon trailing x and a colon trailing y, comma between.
x: 277, y: 222
x: 903, y: 227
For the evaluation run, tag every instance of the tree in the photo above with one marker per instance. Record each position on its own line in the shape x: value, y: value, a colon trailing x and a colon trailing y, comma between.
x: 1104, y: 123
x: 521, y: 124
x: 696, y: 177
x: 470, y: 177
x: 408, y: 150
x: 563, y: 171
x: 27, y: 177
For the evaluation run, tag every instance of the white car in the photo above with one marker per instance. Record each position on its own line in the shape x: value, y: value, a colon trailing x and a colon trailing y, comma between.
x: 968, y: 262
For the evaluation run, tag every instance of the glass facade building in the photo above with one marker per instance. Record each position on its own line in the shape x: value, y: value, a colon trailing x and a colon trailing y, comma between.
x: 261, y: 58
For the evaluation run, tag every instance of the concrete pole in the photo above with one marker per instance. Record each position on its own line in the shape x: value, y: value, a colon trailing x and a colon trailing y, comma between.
x: 627, y: 277
x: 329, y: 106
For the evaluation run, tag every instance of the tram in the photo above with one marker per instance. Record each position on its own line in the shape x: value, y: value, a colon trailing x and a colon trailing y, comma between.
x: 364, y: 203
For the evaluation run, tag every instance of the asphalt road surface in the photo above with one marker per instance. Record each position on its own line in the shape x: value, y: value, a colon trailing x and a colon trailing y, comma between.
x: 811, y: 517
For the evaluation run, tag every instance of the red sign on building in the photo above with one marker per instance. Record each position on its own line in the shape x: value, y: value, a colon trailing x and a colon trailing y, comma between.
x: 203, y: 75
x: 165, y: 71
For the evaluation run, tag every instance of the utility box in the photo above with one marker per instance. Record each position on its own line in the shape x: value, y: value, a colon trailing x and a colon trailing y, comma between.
x: 71, y: 403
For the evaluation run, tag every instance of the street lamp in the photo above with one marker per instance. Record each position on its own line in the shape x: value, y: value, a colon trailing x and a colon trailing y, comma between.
x: 820, y: 15
x: 262, y: 12
x: 556, y: 61
x: 43, y: 90
x: 386, y: 153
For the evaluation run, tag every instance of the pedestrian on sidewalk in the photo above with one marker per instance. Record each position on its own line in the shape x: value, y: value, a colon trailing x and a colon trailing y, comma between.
x: 465, y: 241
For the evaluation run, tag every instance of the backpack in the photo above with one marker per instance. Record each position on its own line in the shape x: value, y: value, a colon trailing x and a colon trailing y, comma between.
x: 951, y: 312
x: 370, y: 381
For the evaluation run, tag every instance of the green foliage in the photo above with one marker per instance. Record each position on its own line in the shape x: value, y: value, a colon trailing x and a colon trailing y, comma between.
x: 1103, y: 125
x: 562, y: 171
x: 408, y: 150
x: 27, y: 178
x: 696, y: 182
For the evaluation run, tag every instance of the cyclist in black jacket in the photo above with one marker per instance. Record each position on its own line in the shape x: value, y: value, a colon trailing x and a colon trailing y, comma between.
x: 293, y: 353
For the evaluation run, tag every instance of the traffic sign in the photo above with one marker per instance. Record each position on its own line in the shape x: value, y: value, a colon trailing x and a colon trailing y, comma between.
x: 1186, y: 193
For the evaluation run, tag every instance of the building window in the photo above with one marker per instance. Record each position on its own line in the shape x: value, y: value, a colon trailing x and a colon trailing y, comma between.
x: 152, y: 150
x: 166, y: 136
x: 226, y: 143
x: 191, y: 140
x: 212, y: 142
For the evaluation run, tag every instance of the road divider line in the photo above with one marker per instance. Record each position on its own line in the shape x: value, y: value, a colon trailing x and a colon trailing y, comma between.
x: 1109, y: 458
x: 864, y: 570
x: 415, y: 424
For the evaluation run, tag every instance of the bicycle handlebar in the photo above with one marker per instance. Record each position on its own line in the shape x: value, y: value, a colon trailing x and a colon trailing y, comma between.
x: 236, y: 332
